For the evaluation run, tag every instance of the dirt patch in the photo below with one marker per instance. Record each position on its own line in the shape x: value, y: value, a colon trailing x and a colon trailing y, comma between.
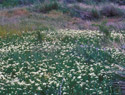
x: 20, y: 12
x: 54, y: 14
x: 14, y: 12
x: 76, y: 20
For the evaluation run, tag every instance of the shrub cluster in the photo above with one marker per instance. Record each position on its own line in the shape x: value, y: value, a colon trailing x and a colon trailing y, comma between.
x: 27, y: 2
x: 49, y: 6
x: 7, y: 3
x: 122, y: 2
x: 95, y: 13
x: 111, y: 11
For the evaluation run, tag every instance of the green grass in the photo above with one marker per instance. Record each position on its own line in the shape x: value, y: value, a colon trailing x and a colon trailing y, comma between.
x: 42, y: 62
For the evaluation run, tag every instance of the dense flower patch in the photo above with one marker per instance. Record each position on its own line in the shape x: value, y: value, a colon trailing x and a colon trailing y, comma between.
x: 68, y: 62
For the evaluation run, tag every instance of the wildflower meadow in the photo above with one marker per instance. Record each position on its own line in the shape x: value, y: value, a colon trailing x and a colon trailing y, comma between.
x: 62, y: 62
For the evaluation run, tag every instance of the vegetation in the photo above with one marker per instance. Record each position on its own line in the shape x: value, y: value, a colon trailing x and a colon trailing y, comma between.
x: 8, y: 3
x: 70, y: 63
x: 95, y: 14
x: 56, y: 47
x: 111, y: 11
x: 47, y: 6
x: 106, y: 30
x: 28, y: 2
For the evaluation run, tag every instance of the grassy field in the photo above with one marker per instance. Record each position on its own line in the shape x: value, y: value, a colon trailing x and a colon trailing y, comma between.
x: 70, y: 62
x: 56, y: 48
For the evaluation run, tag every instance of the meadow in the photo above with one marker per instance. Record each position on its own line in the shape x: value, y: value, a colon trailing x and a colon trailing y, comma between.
x: 68, y: 47
x: 67, y: 62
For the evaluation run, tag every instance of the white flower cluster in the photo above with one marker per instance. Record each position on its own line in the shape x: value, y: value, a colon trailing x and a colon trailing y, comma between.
x: 30, y: 67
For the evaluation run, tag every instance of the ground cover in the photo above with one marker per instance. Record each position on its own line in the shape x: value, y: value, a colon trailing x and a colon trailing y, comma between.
x: 66, y: 62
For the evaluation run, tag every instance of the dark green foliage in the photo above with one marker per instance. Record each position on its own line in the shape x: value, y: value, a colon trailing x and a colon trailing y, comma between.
x: 79, y: 0
x: 95, y: 13
x: 46, y: 6
x: 100, y: 1
x: 7, y: 3
x: 94, y: 1
x: 49, y: 6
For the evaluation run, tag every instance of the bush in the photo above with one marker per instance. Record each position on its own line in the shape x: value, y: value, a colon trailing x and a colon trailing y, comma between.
x: 106, y: 30
x: 46, y: 6
x: 79, y: 0
x: 111, y: 11
x: 121, y: 2
x: 92, y: 14
x: 95, y: 13
x: 8, y: 3
x: 49, y: 6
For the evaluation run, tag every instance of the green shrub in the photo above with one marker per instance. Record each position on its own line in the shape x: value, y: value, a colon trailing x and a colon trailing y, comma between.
x: 47, y: 6
x: 79, y: 0
x: 8, y: 3
x: 91, y: 2
x: 95, y: 13
x: 106, y: 30
x: 99, y: 1
x: 50, y: 5
x: 41, y: 36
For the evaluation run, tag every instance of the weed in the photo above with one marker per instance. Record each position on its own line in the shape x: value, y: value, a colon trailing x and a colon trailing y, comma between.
x: 106, y: 30
x: 41, y: 36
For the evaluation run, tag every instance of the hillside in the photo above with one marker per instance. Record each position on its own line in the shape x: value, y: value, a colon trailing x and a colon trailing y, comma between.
x: 62, y: 47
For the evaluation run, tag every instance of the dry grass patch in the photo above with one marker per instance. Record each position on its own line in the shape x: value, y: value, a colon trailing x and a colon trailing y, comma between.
x: 54, y: 14
x: 14, y: 12
x: 8, y: 31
